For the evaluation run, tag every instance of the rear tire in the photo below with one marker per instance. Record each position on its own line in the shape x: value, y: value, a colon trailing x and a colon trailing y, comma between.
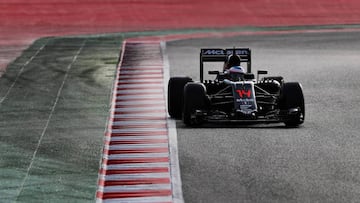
x: 194, y: 99
x: 176, y: 95
x: 292, y: 97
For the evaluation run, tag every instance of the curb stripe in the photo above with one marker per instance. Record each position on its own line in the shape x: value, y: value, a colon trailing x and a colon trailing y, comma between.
x: 138, y: 165
x: 139, y: 200
x: 136, y: 146
x: 137, y: 151
x: 136, y: 155
x: 144, y: 193
x: 135, y: 176
x: 135, y: 138
x: 135, y: 182
x: 137, y: 188
x: 135, y: 118
x: 139, y: 99
x: 118, y: 106
x: 140, y: 121
x: 142, y: 72
x: 143, y: 141
x: 150, y: 130
x: 138, y: 126
x: 137, y: 88
x: 139, y: 160
x: 145, y: 133
x: 137, y: 108
x: 139, y: 102
x: 134, y: 171
x: 150, y: 68
x: 142, y: 91
x: 140, y: 83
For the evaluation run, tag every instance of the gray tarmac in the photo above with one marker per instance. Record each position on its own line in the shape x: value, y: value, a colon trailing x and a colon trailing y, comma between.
x: 318, y: 162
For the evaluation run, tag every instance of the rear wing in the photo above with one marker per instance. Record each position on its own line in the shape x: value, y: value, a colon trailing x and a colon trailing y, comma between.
x: 220, y: 55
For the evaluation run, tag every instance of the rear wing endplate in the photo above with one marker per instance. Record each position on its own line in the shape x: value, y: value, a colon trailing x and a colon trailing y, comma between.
x: 220, y: 55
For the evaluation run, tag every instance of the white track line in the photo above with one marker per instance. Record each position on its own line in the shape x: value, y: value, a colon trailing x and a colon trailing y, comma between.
x: 173, y: 146
x: 48, y: 120
x: 20, y: 72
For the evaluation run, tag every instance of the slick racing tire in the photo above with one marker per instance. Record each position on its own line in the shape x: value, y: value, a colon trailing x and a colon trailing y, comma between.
x: 292, y: 97
x: 194, y: 99
x: 175, y: 95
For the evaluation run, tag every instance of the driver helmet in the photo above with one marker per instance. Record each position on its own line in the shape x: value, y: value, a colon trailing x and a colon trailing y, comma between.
x: 236, y: 73
x: 233, y: 60
x: 237, y: 70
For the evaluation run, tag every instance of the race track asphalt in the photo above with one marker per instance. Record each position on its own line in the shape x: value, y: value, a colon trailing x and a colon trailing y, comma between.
x: 318, y: 162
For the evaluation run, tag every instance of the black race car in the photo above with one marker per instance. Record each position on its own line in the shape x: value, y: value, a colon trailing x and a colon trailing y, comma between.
x: 235, y: 96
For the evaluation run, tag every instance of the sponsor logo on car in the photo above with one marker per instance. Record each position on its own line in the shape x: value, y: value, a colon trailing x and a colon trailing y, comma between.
x: 243, y: 93
x: 224, y: 52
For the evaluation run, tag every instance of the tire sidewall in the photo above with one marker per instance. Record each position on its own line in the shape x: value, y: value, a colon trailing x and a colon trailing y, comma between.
x: 176, y: 95
x: 291, y: 96
x: 194, y: 99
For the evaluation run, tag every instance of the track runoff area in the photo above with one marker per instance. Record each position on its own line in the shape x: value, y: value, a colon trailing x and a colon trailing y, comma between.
x: 54, y: 106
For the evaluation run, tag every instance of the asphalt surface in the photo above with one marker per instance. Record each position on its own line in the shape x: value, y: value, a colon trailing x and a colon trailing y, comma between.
x: 318, y: 162
x: 54, y: 106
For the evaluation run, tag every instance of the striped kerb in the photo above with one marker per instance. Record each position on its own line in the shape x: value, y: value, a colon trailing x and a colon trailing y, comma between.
x: 135, y: 165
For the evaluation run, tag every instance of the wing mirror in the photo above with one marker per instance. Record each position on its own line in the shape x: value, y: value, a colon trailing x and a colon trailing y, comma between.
x: 261, y: 72
x: 212, y: 72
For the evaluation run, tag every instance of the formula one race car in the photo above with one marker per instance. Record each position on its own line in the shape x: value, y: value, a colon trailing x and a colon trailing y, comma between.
x: 235, y: 95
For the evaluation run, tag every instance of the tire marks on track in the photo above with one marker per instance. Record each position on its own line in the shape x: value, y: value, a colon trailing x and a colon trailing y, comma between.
x: 21, y: 71
x: 50, y: 115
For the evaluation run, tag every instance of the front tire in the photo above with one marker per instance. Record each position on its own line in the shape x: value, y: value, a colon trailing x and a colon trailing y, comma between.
x: 292, y: 97
x: 194, y: 99
x: 176, y: 95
